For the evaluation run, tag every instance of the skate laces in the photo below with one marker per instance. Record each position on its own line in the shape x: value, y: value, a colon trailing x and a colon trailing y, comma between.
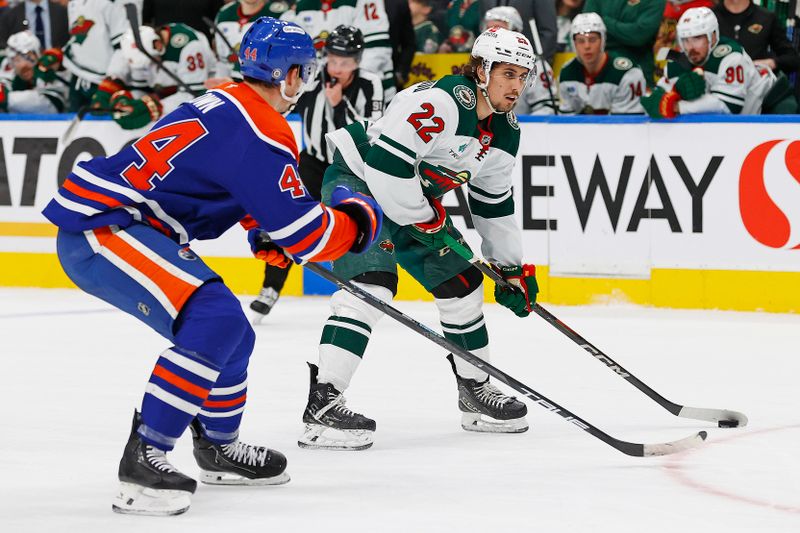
x: 158, y: 458
x: 337, y: 404
x: 246, y: 453
x: 488, y: 393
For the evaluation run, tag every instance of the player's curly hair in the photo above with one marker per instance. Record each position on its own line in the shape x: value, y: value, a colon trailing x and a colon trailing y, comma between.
x: 470, y: 70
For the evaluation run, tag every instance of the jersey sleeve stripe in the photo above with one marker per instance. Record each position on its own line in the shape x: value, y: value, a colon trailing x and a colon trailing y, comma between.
x: 387, y: 162
x: 311, y: 238
x: 82, y: 192
x: 487, y: 196
x: 337, y: 241
x: 726, y: 97
x: 75, y: 206
x: 412, y: 156
x: 297, y: 225
x: 320, y: 244
x: 491, y: 210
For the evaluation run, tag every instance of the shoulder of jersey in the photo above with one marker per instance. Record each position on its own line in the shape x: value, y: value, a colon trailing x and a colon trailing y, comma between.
x: 506, y: 133
x: 571, y: 71
x: 617, y: 67
x: 228, y: 13
x: 316, y: 5
x: 179, y: 36
x: 725, y: 48
x: 267, y: 124
x: 463, y: 91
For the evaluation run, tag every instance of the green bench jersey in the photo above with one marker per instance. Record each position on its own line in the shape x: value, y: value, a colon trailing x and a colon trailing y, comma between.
x: 614, y: 90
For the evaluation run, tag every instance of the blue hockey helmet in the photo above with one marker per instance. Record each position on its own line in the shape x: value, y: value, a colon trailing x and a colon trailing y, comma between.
x: 270, y: 48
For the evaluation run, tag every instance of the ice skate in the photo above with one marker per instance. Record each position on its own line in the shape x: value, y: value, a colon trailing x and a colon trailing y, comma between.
x: 486, y: 409
x: 263, y: 304
x: 329, y: 424
x: 237, y: 463
x: 149, y: 484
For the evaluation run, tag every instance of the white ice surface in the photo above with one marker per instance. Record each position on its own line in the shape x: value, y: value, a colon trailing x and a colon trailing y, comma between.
x: 73, y: 370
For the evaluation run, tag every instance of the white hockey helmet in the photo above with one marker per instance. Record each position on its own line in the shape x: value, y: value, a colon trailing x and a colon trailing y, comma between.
x: 507, y: 14
x: 698, y: 21
x: 588, y: 23
x: 498, y: 45
x: 136, y: 59
x: 23, y: 43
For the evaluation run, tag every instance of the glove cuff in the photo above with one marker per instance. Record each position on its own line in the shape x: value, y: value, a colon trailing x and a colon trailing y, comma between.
x: 668, y: 103
x: 439, y: 218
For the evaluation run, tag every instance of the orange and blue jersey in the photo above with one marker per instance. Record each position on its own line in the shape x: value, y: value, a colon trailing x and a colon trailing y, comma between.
x: 199, y: 171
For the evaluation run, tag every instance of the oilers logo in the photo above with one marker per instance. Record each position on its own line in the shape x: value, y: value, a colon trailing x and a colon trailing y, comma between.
x: 187, y: 254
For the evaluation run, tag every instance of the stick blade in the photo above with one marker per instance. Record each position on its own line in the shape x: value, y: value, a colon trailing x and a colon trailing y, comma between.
x: 676, y: 446
x: 723, y: 417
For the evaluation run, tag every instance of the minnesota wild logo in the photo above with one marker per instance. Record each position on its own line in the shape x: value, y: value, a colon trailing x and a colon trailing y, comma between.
x: 80, y: 29
x: 437, y: 179
x: 387, y: 246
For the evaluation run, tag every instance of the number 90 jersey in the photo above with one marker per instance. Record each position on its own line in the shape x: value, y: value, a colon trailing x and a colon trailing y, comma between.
x: 429, y: 142
x: 199, y: 171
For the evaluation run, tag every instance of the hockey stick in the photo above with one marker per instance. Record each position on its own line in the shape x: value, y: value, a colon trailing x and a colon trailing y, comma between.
x: 78, y: 118
x: 723, y: 417
x: 538, y: 44
x: 133, y: 20
x: 628, y: 448
x: 211, y: 24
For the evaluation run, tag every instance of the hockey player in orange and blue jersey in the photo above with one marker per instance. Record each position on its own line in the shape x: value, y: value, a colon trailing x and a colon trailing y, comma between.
x: 125, y: 223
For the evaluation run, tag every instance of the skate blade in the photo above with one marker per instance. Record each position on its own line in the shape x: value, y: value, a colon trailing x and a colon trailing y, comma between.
x: 226, y: 478
x: 256, y: 318
x: 486, y: 424
x: 136, y: 499
x: 317, y: 437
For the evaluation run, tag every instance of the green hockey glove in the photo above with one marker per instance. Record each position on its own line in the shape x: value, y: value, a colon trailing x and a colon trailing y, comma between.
x: 523, y: 278
x: 131, y: 113
x: 690, y: 85
x: 660, y: 104
x: 48, y: 64
x: 432, y: 233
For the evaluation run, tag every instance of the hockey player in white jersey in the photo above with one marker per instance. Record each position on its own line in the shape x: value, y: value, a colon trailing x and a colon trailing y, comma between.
x: 596, y: 81
x: 232, y: 22
x: 29, y: 78
x: 434, y: 137
x: 95, y: 28
x: 139, y: 91
x: 721, y: 77
x: 320, y: 17
x: 540, y: 98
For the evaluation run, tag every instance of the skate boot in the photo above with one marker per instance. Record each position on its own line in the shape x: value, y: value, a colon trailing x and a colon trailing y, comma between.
x: 149, y: 484
x: 237, y: 463
x: 263, y: 304
x: 329, y: 424
x: 485, y: 408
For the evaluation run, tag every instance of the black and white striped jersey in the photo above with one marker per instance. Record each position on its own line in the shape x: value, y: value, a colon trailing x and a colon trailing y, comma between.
x: 362, y: 99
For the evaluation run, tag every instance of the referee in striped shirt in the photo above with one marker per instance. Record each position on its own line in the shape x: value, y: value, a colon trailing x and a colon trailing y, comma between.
x: 341, y: 95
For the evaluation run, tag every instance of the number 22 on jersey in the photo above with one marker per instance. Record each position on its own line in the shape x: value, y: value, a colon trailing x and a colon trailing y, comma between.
x: 426, y: 132
x: 158, y: 149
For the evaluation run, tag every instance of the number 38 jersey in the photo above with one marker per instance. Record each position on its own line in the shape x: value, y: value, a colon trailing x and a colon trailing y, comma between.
x: 429, y: 142
x: 199, y: 171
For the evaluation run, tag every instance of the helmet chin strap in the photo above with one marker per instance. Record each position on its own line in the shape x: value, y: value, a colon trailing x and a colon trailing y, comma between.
x: 483, y: 90
x: 291, y: 99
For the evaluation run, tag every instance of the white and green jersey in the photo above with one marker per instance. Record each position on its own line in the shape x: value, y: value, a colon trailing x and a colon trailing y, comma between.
x: 95, y: 28
x: 734, y: 85
x: 232, y: 25
x: 36, y: 97
x: 429, y: 142
x: 320, y: 17
x: 615, y: 89
x: 187, y: 55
